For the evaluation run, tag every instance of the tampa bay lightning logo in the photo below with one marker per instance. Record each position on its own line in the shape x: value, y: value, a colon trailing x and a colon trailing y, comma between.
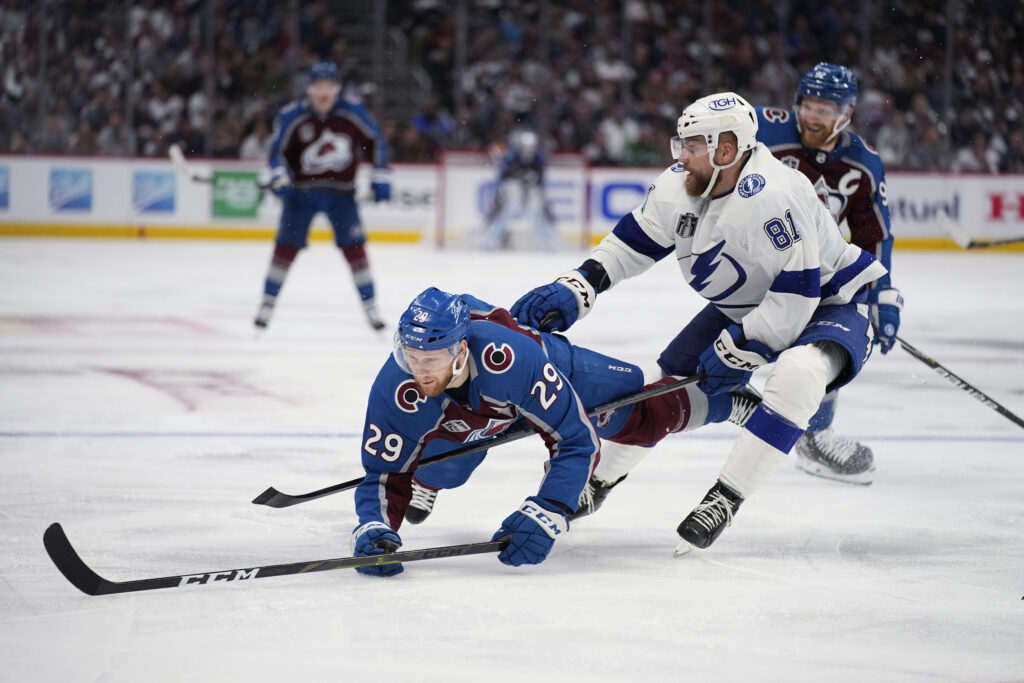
x: 750, y: 185
x: 677, y: 168
x: 726, y: 270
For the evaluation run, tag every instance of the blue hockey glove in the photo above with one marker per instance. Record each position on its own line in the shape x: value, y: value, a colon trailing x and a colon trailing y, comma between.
x: 730, y: 361
x: 376, y: 538
x: 885, y: 316
x: 557, y: 306
x: 280, y: 181
x: 532, y: 530
x: 380, y: 183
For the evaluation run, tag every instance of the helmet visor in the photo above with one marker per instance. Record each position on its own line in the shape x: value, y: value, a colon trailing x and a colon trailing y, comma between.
x: 423, y: 362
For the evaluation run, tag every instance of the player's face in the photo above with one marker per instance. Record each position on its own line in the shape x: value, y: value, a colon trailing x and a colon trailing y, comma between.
x: 323, y: 92
x: 693, y: 155
x: 432, y: 370
x: 817, y: 120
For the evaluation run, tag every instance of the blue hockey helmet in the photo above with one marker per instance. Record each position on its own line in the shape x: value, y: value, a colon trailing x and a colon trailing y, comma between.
x: 829, y: 82
x: 324, y: 71
x: 434, y: 320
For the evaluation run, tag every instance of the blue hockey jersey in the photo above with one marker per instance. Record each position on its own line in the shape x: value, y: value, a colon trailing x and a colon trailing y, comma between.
x: 511, y: 377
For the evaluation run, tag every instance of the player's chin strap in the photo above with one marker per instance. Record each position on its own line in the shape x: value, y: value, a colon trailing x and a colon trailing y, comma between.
x: 458, y: 369
x: 714, y: 173
x: 841, y: 123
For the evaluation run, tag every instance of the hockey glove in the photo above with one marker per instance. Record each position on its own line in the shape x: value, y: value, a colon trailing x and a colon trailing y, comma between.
x: 885, y: 316
x: 280, y: 181
x: 730, y: 361
x: 557, y: 306
x: 380, y: 183
x: 532, y: 530
x: 376, y: 538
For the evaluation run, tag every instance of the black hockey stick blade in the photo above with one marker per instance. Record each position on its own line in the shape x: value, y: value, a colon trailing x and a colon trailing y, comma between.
x: 89, y: 582
x: 961, y: 383
x: 276, y: 499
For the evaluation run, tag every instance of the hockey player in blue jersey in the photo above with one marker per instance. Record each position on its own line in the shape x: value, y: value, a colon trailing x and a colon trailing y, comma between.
x: 317, y: 145
x: 463, y: 370
x: 784, y: 290
x: 848, y: 175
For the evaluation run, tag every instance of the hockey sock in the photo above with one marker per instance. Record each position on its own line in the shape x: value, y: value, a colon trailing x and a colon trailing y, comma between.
x: 762, y: 442
x: 355, y: 254
x: 280, y: 262
x: 822, y: 419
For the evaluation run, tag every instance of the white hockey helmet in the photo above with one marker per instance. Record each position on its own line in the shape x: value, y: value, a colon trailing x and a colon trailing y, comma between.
x: 713, y: 115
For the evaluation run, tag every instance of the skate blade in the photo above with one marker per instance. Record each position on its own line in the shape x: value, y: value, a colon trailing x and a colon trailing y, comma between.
x: 684, y: 548
x: 862, y: 478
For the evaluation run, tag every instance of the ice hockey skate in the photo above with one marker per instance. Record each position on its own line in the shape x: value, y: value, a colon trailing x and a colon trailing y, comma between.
x: 708, y: 520
x: 373, y: 317
x: 422, y: 503
x: 826, y: 454
x: 744, y: 403
x: 593, y: 496
x: 263, y: 316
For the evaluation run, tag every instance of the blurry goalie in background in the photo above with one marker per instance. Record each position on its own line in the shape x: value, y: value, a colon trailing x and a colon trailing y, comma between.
x: 317, y: 146
x: 520, y: 193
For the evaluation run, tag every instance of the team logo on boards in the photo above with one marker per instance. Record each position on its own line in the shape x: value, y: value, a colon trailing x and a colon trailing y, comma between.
x: 5, y: 187
x: 153, y: 191
x: 750, y: 185
x: 70, y: 189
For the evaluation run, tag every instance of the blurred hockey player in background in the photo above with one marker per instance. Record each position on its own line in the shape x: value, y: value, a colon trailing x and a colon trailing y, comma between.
x: 849, y: 177
x: 783, y: 288
x: 317, y: 145
x: 520, y: 193
x: 463, y: 370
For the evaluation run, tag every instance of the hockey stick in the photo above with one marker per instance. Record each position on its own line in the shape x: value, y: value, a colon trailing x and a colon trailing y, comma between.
x: 960, y: 382
x: 965, y: 241
x: 182, y: 165
x: 82, y: 577
x: 275, y: 499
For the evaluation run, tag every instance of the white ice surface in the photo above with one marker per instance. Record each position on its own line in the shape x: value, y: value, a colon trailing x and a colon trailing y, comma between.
x: 138, y: 409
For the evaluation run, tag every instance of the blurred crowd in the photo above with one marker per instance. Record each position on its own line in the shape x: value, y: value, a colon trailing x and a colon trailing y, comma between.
x: 605, y: 78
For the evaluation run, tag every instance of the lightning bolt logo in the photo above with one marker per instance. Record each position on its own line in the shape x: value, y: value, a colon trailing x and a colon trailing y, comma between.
x: 704, y: 266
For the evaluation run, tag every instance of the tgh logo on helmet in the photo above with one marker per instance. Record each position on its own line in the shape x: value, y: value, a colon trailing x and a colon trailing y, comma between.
x: 722, y: 104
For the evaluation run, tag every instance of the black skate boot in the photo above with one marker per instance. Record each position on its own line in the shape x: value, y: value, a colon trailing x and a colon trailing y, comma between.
x: 593, y: 496
x: 263, y: 315
x: 709, y: 519
x: 421, y: 505
x: 373, y: 317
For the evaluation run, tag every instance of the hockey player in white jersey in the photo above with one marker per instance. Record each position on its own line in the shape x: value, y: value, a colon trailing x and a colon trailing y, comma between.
x: 784, y: 290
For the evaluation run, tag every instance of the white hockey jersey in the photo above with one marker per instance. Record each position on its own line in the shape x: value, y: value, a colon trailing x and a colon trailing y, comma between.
x: 767, y: 254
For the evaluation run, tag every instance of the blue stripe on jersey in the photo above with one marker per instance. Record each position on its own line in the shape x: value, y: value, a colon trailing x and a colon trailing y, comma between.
x: 773, y: 429
x: 630, y: 232
x: 800, y: 282
x: 845, y: 275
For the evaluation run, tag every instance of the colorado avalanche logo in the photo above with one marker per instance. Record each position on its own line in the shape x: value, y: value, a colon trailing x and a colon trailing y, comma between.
x: 750, y: 185
x: 330, y: 152
x: 408, y: 397
x: 776, y: 115
x: 498, y: 359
